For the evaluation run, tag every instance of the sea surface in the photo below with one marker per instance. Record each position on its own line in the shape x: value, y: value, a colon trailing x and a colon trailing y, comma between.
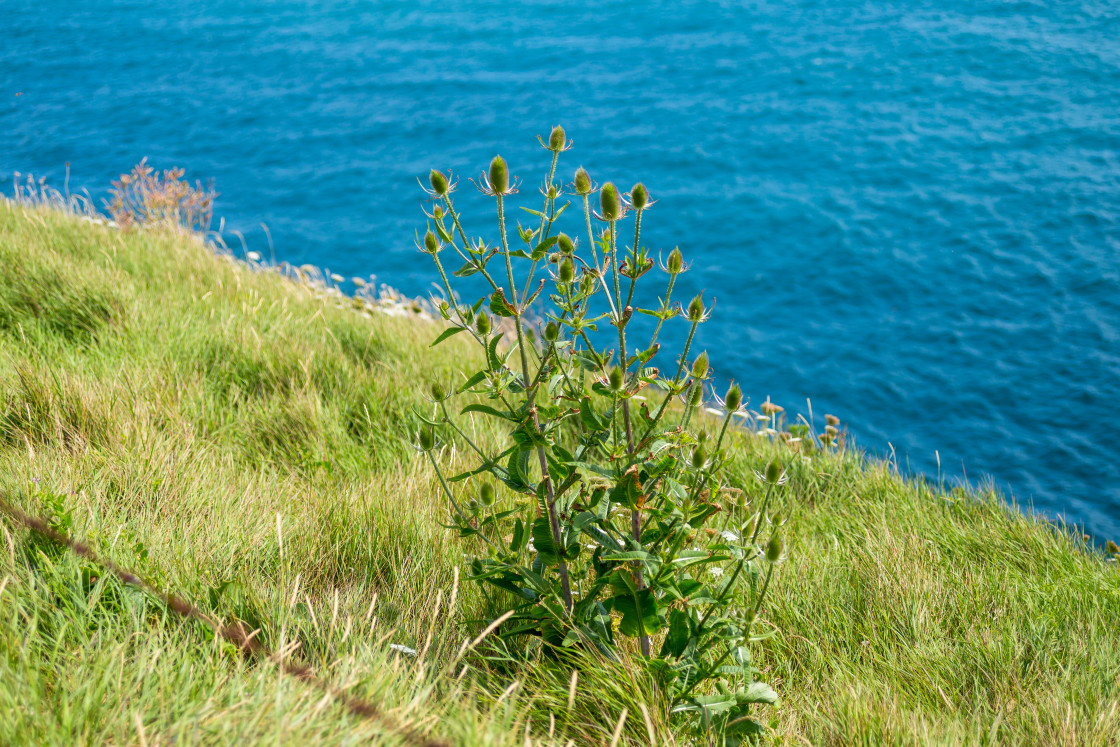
x: 907, y: 212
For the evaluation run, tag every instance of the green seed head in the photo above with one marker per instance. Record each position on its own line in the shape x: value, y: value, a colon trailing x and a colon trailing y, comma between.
x: 675, y: 264
x: 609, y: 202
x: 551, y: 331
x: 773, y: 472
x: 567, y: 271
x: 586, y: 284
x: 695, y: 394
x: 700, y: 366
x: 427, y: 438
x: 696, y: 309
x: 431, y: 243
x: 567, y: 246
x: 774, y: 548
x: 437, y: 391
x: 437, y: 212
x: 639, y: 197
x: 482, y: 324
x: 486, y: 494
x: 698, y: 457
x: 499, y: 175
x: 748, y: 617
x: 733, y: 399
x: 439, y: 183
x: 472, y: 504
x: 476, y: 566
x: 556, y: 139
x: 615, y: 379
x: 583, y: 182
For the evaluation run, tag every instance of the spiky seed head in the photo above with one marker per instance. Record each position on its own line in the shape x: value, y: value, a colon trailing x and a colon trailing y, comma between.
x: 696, y: 309
x: 615, y: 378
x: 427, y: 438
x: 675, y: 265
x: 832, y: 420
x: 567, y: 246
x: 437, y: 212
x: 553, y: 192
x: 695, y: 395
x: 439, y: 183
x: 700, y: 366
x: 1112, y: 548
x: 609, y: 202
x: 486, y: 494
x: 586, y: 284
x: 733, y: 399
x: 482, y: 324
x: 583, y: 182
x: 748, y: 616
x: 702, y: 437
x: 556, y: 139
x: 567, y: 270
x: 774, y: 472
x: 472, y: 504
x: 431, y: 243
x: 639, y: 197
x: 551, y: 331
x: 777, y: 518
x: 774, y: 548
x: 698, y: 457
x: 499, y: 175
x: 437, y: 391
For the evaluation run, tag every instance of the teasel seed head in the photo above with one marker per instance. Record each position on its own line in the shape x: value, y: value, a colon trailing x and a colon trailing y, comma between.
x: 551, y: 332
x: 486, y: 494
x: 431, y: 243
x: 609, y: 202
x: 556, y: 139
x: 482, y: 324
x: 567, y: 271
x: 427, y: 438
x: 733, y: 399
x: 675, y: 265
x: 499, y: 175
x: 698, y: 457
x: 639, y: 197
x: 565, y: 244
x: 437, y: 391
x: 774, y: 472
x: 439, y: 183
x: 615, y: 379
x: 696, y: 309
x: 774, y: 548
x: 695, y: 395
x: 748, y: 616
x: 700, y: 366
x: 583, y: 182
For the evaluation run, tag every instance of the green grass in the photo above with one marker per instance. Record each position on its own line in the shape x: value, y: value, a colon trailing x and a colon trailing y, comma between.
x: 244, y: 441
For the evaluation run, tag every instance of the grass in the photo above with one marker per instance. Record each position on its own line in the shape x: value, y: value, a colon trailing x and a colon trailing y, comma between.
x: 244, y: 441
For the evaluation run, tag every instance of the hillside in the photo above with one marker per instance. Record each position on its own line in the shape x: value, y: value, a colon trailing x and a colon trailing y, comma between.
x: 243, y: 440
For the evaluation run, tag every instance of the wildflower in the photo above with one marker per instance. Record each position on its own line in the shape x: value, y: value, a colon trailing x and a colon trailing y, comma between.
x: 254, y: 256
x: 770, y: 408
x: 402, y: 649
x: 728, y: 535
x: 832, y: 420
x: 715, y: 571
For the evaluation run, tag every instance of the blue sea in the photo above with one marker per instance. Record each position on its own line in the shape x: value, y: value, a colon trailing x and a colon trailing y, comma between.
x: 907, y: 212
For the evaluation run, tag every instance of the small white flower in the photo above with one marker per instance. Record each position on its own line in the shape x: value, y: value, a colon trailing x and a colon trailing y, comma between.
x: 403, y: 649
x: 713, y: 411
x: 728, y: 535
x: 336, y: 277
x: 359, y: 282
x: 717, y: 572
x: 254, y: 256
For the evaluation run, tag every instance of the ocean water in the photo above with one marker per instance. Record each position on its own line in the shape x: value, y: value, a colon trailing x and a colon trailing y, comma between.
x: 908, y: 212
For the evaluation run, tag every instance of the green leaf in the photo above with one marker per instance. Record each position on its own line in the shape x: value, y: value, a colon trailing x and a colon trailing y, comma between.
x: 543, y: 542
x: 487, y: 410
x: 542, y: 248
x: 530, y: 211
x: 639, y: 613
x: 450, y: 331
x: 516, y: 543
x: 757, y: 692
x: 477, y: 378
x: 466, y: 270
x: 676, y: 640
x: 589, y: 417
x: 499, y: 305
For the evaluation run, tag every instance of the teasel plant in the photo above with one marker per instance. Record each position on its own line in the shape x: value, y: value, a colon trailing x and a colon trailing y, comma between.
x: 593, y: 523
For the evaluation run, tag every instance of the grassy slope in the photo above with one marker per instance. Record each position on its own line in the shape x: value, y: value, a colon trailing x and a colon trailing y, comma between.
x: 178, y: 404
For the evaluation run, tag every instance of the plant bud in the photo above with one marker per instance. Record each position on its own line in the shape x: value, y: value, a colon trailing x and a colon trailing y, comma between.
x: 609, y: 202
x: 556, y: 139
x: 586, y: 284
x: 482, y: 324
x: 551, y: 331
x: 696, y: 309
x: 733, y: 399
x: 583, y: 182
x: 702, y: 437
x: 431, y: 243
x: 437, y: 391
x: 615, y: 379
x: 499, y: 175
x: 748, y: 617
x: 676, y: 262
x: 427, y: 438
x: 486, y: 494
x: 553, y: 193
x: 700, y: 366
x: 567, y: 271
x: 472, y: 504
x: 774, y: 548
x: 639, y: 197
x: 698, y: 457
x: 773, y: 472
x: 566, y: 245
x: 439, y: 183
